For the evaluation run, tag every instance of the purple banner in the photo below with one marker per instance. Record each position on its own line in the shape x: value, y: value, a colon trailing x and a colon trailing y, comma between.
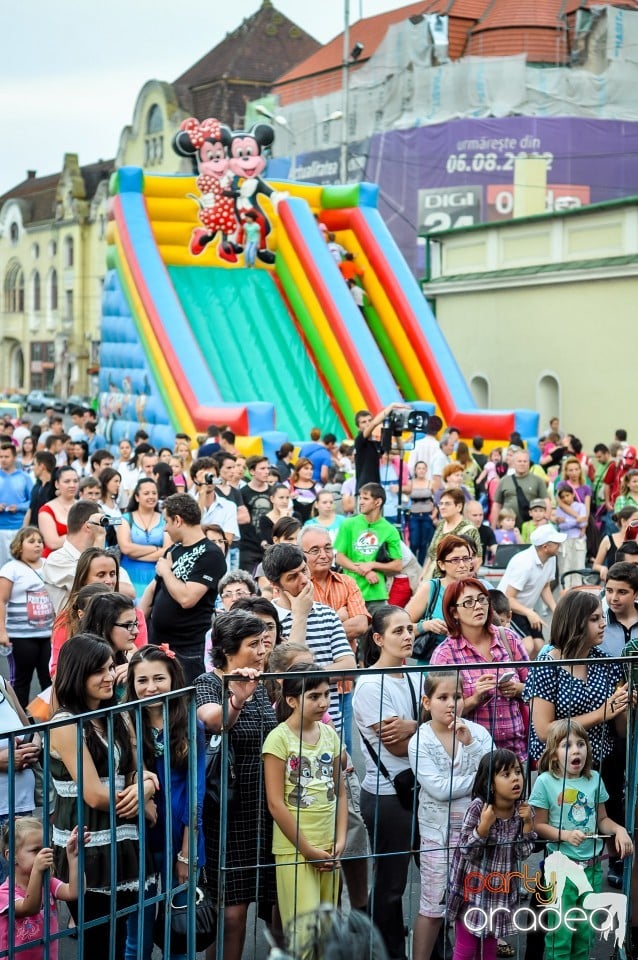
x: 461, y: 172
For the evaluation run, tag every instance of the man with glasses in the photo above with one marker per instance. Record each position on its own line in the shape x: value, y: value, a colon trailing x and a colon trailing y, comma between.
x: 528, y: 577
x: 205, y: 476
x: 305, y: 621
x: 369, y: 547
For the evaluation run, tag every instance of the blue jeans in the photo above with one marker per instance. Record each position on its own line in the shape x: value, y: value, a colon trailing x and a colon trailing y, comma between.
x: 345, y: 706
x: 421, y: 532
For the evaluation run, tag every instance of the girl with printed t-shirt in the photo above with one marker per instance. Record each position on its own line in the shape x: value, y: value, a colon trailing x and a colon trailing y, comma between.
x: 26, y: 612
x: 569, y: 802
x: 306, y: 796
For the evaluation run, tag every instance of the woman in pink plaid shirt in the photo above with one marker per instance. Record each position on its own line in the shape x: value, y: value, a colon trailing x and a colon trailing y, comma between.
x: 492, y: 689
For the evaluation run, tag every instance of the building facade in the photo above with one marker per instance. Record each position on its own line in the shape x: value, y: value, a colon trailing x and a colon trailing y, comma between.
x: 540, y: 313
x: 52, y: 232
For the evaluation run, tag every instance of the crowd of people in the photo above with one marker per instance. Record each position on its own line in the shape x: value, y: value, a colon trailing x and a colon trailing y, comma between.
x: 126, y: 575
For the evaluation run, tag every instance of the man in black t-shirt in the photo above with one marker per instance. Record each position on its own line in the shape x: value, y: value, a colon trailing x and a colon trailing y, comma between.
x: 182, y: 597
x: 367, y: 450
x: 44, y: 490
x: 256, y: 498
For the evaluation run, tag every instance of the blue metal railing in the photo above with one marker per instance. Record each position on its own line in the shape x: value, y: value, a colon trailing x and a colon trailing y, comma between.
x: 148, y: 899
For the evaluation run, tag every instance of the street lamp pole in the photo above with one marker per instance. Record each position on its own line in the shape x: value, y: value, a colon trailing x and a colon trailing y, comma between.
x: 345, y: 87
x: 282, y: 122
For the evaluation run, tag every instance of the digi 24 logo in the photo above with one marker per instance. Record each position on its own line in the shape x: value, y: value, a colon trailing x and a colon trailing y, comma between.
x: 445, y: 208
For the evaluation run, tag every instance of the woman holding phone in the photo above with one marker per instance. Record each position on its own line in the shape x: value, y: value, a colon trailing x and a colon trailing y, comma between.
x: 493, y: 689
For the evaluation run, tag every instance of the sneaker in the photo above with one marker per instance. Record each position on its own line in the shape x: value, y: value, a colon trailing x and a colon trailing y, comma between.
x: 615, y: 876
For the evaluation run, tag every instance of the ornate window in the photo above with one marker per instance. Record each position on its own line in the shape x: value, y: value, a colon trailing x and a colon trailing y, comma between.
x: 154, y: 140
x: 14, y: 289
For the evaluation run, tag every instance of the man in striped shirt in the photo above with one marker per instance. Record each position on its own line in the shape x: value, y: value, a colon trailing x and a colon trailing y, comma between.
x: 305, y: 621
x: 344, y: 596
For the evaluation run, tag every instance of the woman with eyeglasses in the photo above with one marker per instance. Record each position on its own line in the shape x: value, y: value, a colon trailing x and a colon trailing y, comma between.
x: 263, y: 609
x: 450, y: 507
x: 493, y: 690
x: 113, y: 618
x: 95, y: 566
x: 454, y: 560
x: 233, y: 585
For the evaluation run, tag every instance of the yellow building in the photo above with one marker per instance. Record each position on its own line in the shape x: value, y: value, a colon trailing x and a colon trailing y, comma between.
x: 540, y: 312
x: 52, y: 266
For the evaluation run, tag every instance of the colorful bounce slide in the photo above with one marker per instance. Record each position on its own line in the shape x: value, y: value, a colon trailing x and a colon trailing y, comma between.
x: 191, y: 338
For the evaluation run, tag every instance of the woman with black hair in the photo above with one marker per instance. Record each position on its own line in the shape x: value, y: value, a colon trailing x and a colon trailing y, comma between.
x: 141, y: 536
x: 239, y: 651
x: 53, y: 516
x: 84, y: 683
x: 154, y: 671
x: 267, y: 613
x: 110, y: 482
x: 113, y: 618
x: 284, y: 463
x: 164, y: 479
x: 81, y: 463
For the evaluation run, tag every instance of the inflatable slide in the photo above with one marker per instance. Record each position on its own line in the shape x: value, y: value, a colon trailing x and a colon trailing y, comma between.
x: 192, y: 336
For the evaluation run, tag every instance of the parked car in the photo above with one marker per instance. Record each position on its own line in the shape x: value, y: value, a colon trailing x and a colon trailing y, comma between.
x: 11, y: 410
x: 39, y: 400
x: 76, y: 400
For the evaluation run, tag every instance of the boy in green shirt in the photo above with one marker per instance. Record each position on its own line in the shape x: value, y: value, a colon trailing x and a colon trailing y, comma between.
x: 359, y: 541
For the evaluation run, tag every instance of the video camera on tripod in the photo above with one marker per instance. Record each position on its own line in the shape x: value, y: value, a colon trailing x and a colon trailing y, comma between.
x: 399, y: 422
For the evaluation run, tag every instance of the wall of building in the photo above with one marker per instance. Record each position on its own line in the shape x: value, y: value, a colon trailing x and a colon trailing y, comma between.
x: 147, y: 141
x: 532, y: 344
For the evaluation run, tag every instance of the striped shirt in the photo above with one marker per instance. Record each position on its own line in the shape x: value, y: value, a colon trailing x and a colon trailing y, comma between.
x: 339, y: 591
x: 328, y: 642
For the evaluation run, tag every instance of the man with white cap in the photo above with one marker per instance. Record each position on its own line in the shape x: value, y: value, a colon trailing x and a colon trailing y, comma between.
x: 528, y: 577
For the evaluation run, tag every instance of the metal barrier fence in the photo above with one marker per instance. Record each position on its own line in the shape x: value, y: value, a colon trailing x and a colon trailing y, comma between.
x: 224, y: 825
x: 148, y: 896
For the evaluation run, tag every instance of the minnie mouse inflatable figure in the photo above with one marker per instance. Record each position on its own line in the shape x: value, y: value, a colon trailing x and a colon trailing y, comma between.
x: 207, y: 144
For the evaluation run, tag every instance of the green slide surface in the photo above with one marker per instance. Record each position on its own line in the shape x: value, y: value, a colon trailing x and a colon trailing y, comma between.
x: 251, y: 345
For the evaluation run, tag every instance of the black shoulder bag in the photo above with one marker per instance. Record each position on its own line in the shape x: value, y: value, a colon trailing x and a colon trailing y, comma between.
x: 522, y: 501
x: 404, y: 782
x: 426, y: 642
